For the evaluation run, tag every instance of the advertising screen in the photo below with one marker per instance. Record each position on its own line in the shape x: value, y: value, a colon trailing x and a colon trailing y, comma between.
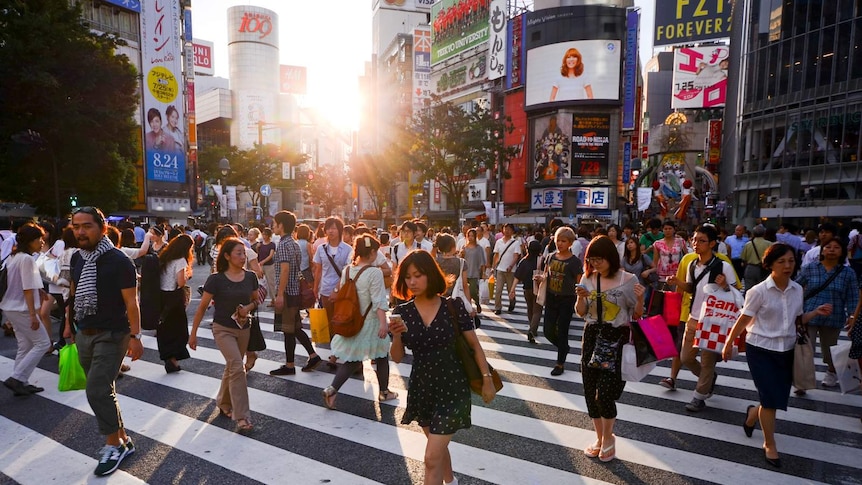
x: 700, y: 77
x: 590, y: 145
x: 552, y: 150
x: 457, y: 25
x: 163, y: 103
x: 685, y: 22
x: 580, y: 70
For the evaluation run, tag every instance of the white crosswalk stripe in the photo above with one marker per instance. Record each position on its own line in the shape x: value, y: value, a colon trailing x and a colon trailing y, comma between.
x: 533, y: 433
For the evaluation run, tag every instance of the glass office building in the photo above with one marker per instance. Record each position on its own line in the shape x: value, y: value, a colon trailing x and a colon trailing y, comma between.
x: 799, y: 111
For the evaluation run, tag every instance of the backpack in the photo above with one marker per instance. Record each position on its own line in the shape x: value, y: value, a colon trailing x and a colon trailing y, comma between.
x: 151, y: 292
x: 347, y: 317
x: 199, y: 241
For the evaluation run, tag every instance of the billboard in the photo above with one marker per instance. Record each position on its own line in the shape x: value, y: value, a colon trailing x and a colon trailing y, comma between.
x: 457, y: 25
x: 421, y: 68
x: 580, y: 70
x: 497, y: 44
x: 516, y: 29
x: 406, y: 5
x: 203, y: 57
x: 552, y: 149
x: 292, y: 79
x: 687, y: 22
x: 700, y: 77
x: 630, y: 70
x: 252, y: 108
x: 587, y: 197
x: 591, y: 134
x: 161, y: 54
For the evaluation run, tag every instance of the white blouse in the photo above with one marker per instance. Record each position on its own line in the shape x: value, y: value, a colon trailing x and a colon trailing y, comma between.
x: 774, y: 312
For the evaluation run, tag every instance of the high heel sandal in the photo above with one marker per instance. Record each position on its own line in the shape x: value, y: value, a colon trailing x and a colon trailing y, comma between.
x: 329, y: 397
x: 244, y: 426
x: 387, y: 396
x: 250, y: 359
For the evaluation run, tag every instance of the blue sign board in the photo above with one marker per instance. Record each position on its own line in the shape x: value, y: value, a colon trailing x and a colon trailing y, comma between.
x: 627, y: 162
x: 133, y: 5
x: 266, y: 190
x: 630, y: 73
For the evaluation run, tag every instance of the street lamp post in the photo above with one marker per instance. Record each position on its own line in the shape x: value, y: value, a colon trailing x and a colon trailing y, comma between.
x: 224, y: 168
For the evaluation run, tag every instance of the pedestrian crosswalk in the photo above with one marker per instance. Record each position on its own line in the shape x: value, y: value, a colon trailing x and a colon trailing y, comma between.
x: 533, y: 433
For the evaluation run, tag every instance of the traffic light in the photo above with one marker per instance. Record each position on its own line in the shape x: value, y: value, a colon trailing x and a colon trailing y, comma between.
x: 73, y: 201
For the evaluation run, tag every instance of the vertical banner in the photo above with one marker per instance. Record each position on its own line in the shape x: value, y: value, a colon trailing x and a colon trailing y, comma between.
x: 230, y: 192
x: 714, y: 145
x: 497, y: 44
x: 421, y: 67
x: 627, y: 162
x: 630, y: 73
x: 700, y: 77
x: 162, y: 54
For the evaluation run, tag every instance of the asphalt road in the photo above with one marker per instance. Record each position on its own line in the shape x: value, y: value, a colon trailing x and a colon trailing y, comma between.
x: 532, y: 433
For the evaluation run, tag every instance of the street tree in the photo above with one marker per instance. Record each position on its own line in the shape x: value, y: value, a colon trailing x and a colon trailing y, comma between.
x: 69, y: 86
x: 249, y: 169
x: 378, y: 173
x: 453, y: 146
x: 326, y: 187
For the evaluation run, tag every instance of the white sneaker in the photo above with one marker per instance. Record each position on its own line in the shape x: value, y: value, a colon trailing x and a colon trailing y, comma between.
x: 830, y: 380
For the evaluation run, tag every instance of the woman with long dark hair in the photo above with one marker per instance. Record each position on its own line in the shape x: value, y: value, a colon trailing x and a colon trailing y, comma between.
x: 175, y: 264
x: 234, y: 291
x: 439, y: 397
x: 20, y: 307
x: 524, y: 273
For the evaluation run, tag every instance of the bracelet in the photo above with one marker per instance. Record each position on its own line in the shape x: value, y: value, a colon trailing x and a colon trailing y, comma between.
x: 488, y: 375
x: 851, y: 316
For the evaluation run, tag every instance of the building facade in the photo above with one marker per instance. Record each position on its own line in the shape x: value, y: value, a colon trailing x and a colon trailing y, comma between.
x: 799, y: 111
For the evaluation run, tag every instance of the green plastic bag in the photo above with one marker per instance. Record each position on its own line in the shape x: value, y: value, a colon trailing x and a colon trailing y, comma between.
x: 72, y: 376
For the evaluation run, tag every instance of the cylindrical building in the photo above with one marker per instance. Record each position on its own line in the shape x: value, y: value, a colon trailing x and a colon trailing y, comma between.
x: 254, y: 68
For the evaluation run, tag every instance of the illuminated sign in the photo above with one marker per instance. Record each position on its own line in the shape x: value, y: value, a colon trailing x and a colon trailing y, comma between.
x: 590, y: 145
x: 457, y: 25
x: 689, y: 21
x: 253, y: 22
x: 581, y: 70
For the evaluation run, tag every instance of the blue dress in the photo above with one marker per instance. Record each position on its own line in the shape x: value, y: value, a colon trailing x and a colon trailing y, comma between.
x: 439, y: 396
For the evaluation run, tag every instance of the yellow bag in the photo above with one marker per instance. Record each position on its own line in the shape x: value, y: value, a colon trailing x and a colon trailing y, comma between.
x: 319, y: 325
x: 491, y: 282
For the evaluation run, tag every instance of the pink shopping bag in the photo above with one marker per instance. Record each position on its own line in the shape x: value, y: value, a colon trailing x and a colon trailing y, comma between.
x: 656, y: 331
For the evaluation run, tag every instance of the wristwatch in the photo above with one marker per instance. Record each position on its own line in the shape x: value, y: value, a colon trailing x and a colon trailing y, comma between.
x: 136, y: 336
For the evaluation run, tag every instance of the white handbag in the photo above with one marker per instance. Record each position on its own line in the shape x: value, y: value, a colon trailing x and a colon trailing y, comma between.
x: 629, y: 369
x: 542, y: 290
x: 458, y: 290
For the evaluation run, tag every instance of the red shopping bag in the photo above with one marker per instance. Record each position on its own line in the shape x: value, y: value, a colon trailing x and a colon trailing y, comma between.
x: 659, y: 337
x: 672, y: 308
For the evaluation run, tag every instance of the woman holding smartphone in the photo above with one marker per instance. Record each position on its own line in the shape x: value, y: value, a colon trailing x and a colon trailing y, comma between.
x: 234, y: 291
x: 439, y: 397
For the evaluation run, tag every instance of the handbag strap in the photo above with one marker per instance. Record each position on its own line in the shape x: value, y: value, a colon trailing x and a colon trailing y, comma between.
x: 332, y: 261
x: 599, y: 312
x: 452, y: 317
x: 504, y: 250
x: 825, y: 284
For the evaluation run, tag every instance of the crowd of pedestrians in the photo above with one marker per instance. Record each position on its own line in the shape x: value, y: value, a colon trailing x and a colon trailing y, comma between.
x: 606, y: 275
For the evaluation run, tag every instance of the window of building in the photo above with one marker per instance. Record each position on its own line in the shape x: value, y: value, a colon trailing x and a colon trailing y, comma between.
x: 799, y: 64
x: 826, y: 62
x: 856, y: 53
x: 814, y: 58
x: 800, y: 17
x: 842, y: 52
x: 784, y: 68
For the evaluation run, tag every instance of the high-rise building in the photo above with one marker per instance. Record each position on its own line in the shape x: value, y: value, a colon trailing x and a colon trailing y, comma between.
x: 795, y: 146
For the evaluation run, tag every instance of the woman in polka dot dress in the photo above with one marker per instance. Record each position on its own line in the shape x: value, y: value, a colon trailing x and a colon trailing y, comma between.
x: 439, y: 395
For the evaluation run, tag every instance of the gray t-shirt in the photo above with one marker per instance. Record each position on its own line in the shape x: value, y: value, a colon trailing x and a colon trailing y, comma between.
x: 475, y: 257
x: 450, y: 266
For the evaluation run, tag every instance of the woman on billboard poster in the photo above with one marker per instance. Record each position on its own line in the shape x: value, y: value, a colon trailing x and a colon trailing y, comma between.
x: 572, y: 86
x: 174, y: 130
x: 157, y: 138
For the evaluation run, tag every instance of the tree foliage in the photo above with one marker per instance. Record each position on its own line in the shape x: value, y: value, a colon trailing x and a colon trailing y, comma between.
x: 326, y: 186
x: 67, y: 84
x: 249, y: 169
x: 378, y: 173
x: 454, y: 146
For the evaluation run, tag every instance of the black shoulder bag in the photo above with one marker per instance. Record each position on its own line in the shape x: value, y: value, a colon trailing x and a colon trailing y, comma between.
x: 825, y: 284
x: 606, y: 350
x: 708, y: 270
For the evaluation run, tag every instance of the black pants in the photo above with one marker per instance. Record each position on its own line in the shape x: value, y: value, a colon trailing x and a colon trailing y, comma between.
x: 290, y: 322
x: 602, y: 388
x: 558, y: 319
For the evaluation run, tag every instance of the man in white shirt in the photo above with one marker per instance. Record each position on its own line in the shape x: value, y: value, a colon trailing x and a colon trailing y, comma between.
x: 706, y: 269
x: 826, y: 232
x: 735, y: 243
x: 462, y: 237
x: 407, y: 243
x: 424, y: 244
x: 507, y: 253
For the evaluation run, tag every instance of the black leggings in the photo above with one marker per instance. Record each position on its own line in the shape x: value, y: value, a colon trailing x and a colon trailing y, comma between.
x: 602, y: 388
x: 292, y: 328
x: 348, y: 368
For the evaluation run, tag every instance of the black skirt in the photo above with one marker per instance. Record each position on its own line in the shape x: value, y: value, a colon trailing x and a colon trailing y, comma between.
x: 772, y: 373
